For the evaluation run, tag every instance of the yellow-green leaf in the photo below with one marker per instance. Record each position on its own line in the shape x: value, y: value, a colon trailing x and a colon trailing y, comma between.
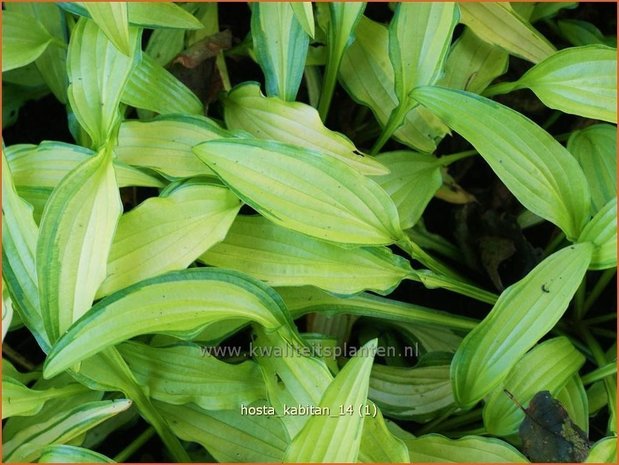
x: 581, y: 81
x: 27, y: 445
x: 196, y: 214
x: 602, y: 232
x: 411, y: 183
x: 180, y: 303
x: 98, y: 73
x: 498, y: 24
x: 152, y: 87
x: 603, y: 451
x: 24, y: 39
x: 305, y: 16
x: 331, y: 437
x: 530, y: 375
x: 280, y: 45
x: 164, y: 14
x: 165, y: 144
x: 71, y: 454
x: 538, y: 170
x: 595, y: 148
x: 282, y: 257
x: 76, y: 234
x: 113, y: 20
x: 368, y: 77
x: 524, y: 313
x: 295, y: 123
x: 304, y: 190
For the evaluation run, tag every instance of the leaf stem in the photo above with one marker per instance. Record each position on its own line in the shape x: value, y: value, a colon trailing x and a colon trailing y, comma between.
x: 328, y: 86
x: 446, y: 160
x: 135, y: 445
x: 500, y: 88
x: 430, y: 427
x: 600, y: 373
x: 396, y: 118
x: 579, y: 300
x: 18, y: 358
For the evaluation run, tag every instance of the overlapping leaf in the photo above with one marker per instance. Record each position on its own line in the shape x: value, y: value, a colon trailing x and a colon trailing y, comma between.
x: 198, y: 214
x: 333, y: 437
x: 535, y: 168
x: 282, y: 257
x: 368, y: 77
x: 113, y: 20
x: 152, y: 87
x: 71, y: 454
x: 184, y: 374
x: 165, y: 144
x: 580, y: 81
x: 295, y: 123
x: 329, y: 200
x: 595, y: 149
x: 602, y: 232
x: 179, y: 303
x: 23, y: 40
x: 28, y: 444
x: 98, y: 73
x: 498, y: 24
x: 75, y: 237
x: 529, y: 376
x: 280, y: 45
x: 524, y: 312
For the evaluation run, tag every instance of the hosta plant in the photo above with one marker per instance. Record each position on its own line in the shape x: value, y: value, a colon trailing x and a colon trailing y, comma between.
x: 309, y: 232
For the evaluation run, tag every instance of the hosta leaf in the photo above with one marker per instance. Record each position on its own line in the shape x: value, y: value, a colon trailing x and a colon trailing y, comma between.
x: 413, y: 180
x: 76, y: 234
x: 98, y: 73
x: 602, y: 232
x: 534, y: 166
x: 152, y: 87
x: 419, y: 393
x: 498, y: 24
x: 165, y: 44
x: 343, y: 19
x: 603, y: 451
x: 305, y: 16
x: 329, y: 201
x: 168, y: 15
x: 580, y: 33
x: 282, y: 257
x: 378, y: 445
x: 46, y: 164
x: 52, y: 63
x: 580, y: 81
x: 430, y: 338
x: 228, y: 435
x: 478, y: 449
x: 331, y: 437
x: 184, y: 374
x: 595, y: 149
x: 71, y: 454
x: 543, y: 10
x: 280, y: 45
x: 291, y: 375
x: 179, y: 303
x: 529, y: 376
x: 295, y: 123
x: 304, y: 300
x: 18, y: 400
x: 473, y: 64
x: 24, y: 39
x: 368, y: 77
x: 28, y: 444
x: 196, y: 214
x: 574, y: 398
x: 113, y: 20
x: 19, y: 238
x: 419, y: 38
x: 524, y: 312
x: 165, y: 144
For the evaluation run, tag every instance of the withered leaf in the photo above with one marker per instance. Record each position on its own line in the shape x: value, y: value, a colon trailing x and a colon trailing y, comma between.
x: 548, y: 434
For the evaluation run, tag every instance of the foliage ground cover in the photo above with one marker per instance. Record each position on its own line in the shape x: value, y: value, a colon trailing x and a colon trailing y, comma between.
x: 296, y: 232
